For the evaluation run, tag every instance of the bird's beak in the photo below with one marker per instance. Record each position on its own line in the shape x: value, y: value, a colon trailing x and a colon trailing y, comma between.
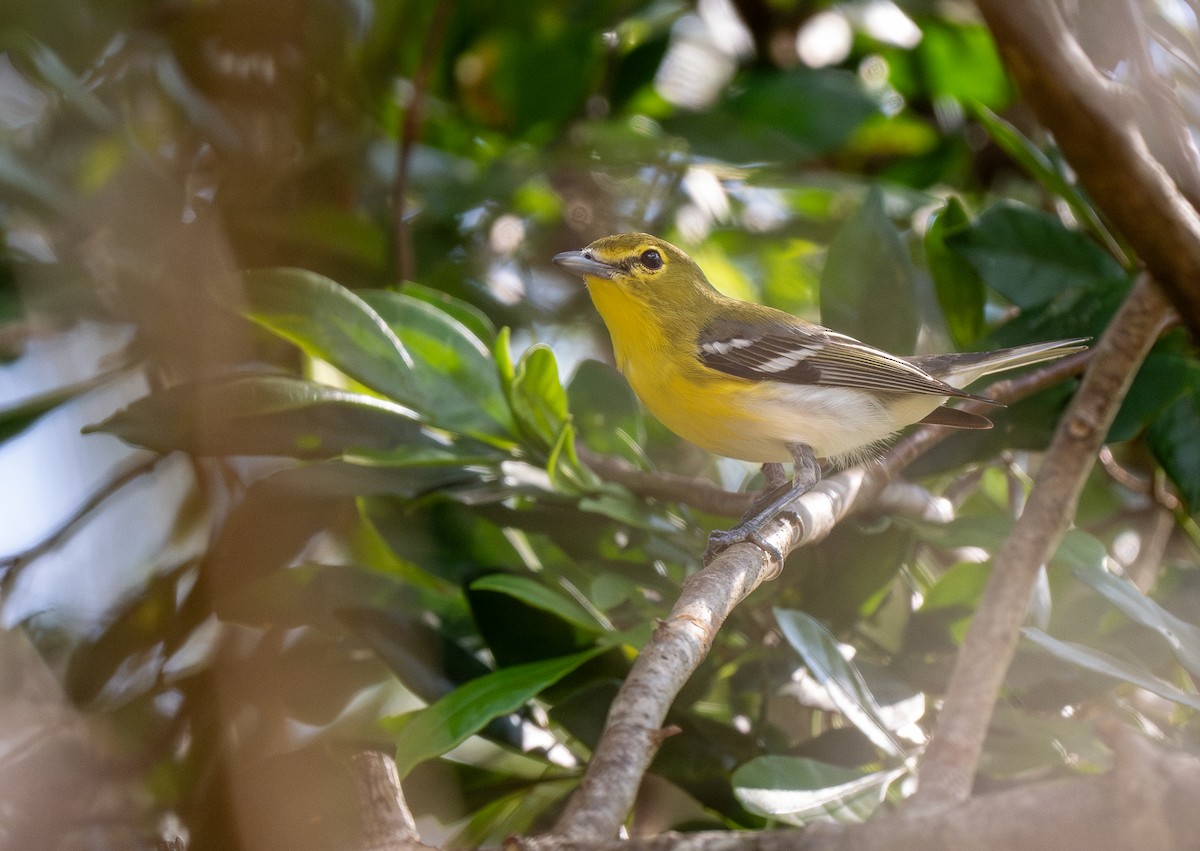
x: 581, y: 264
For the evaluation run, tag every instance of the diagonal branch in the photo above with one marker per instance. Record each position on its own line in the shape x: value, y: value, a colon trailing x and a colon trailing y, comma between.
x: 949, y: 766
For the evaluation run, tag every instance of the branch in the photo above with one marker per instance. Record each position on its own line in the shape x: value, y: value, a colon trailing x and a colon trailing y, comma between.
x: 387, y: 824
x: 1146, y: 802
x: 409, y: 133
x: 897, y: 497
x: 1097, y: 123
x: 633, y: 731
x: 949, y: 765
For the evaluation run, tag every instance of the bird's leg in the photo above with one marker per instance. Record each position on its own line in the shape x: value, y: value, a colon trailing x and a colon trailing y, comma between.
x: 806, y: 474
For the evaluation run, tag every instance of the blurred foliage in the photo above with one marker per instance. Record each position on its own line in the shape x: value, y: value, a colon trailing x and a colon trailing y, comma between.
x: 318, y: 235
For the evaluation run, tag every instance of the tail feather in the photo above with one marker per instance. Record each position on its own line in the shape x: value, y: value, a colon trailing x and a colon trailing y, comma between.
x: 962, y: 368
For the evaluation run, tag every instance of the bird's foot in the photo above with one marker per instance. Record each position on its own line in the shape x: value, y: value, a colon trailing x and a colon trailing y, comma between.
x: 774, y: 503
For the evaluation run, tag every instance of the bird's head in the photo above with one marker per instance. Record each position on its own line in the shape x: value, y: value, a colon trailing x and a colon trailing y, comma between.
x: 644, y: 266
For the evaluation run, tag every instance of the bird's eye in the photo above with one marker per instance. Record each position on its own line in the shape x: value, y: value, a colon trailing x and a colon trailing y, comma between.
x: 651, y: 259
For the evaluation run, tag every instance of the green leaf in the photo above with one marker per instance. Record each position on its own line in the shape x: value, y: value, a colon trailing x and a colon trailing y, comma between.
x: 539, y: 596
x: 796, y: 790
x: 329, y: 322
x: 1031, y: 258
x: 468, y: 315
x: 452, y: 368
x: 1168, y: 373
x: 841, y: 679
x: 453, y: 719
x: 867, y: 286
x: 604, y: 410
x: 781, y: 115
x: 959, y: 288
x: 1018, y: 146
x: 1182, y: 637
x: 1174, y: 438
x: 263, y: 415
x: 960, y: 61
x: 539, y: 403
x: 1109, y: 666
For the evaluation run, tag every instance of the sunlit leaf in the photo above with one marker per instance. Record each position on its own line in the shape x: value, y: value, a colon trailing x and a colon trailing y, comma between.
x: 452, y: 367
x: 845, y: 685
x: 796, y: 790
x: 328, y: 321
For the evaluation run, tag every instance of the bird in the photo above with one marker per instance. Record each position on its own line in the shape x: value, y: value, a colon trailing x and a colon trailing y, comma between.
x: 748, y: 381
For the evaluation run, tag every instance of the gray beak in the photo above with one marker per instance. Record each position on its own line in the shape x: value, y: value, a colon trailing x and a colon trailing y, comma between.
x: 581, y: 264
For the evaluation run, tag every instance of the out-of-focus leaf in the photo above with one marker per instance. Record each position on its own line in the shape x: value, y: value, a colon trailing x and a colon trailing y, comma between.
x: 783, y: 115
x: 262, y: 415
x: 150, y: 618
x: 1109, y: 666
x: 469, y: 316
x: 539, y: 596
x: 452, y: 367
x: 1174, y: 438
x: 23, y: 182
x: 1041, y: 168
x: 604, y: 410
x: 961, y: 62
x: 1031, y: 258
x: 959, y: 288
x: 845, y: 685
x: 328, y: 321
x: 797, y: 791
x: 55, y: 72
x: 867, y: 288
x: 1182, y: 637
x: 450, y: 721
x: 429, y: 663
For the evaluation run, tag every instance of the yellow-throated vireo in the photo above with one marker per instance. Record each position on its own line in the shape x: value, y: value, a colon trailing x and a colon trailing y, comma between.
x: 751, y: 382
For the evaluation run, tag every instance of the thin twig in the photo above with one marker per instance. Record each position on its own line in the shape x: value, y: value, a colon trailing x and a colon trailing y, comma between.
x: 409, y: 134
x: 12, y: 565
x: 949, y: 767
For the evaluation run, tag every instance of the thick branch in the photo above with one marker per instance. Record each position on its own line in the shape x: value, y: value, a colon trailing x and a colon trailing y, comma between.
x: 949, y: 767
x: 387, y: 824
x: 633, y: 731
x: 1097, y: 124
x: 1146, y: 802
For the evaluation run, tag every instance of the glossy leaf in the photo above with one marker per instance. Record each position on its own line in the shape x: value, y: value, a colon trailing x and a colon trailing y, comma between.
x: 452, y: 367
x: 262, y: 415
x: 329, y: 322
x: 841, y: 679
x: 539, y: 596
x: 797, y: 791
x: 1031, y: 258
x: 450, y: 721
